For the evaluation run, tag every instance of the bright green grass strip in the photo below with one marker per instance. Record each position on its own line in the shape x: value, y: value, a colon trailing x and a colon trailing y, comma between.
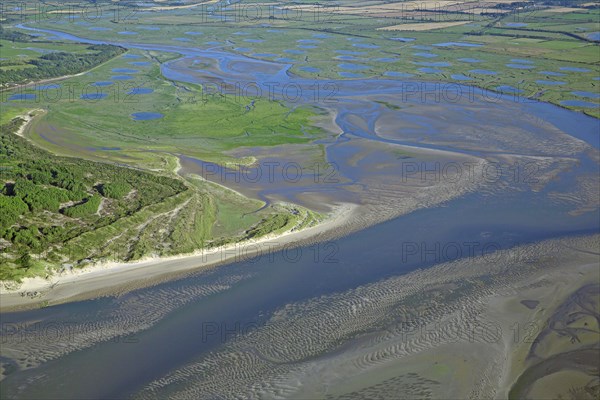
x: 7, y: 113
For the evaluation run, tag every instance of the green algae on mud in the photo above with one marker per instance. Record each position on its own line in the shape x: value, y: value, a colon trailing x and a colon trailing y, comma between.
x: 563, y: 349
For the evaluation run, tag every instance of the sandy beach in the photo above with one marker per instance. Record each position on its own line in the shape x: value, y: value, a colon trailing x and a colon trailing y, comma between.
x: 28, y: 117
x: 112, y: 278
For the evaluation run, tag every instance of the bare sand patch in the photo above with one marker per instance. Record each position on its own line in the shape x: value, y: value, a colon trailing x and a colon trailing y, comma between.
x: 28, y: 117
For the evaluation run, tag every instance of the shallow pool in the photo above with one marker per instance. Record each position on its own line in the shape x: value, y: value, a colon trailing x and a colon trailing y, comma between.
x: 140, y: 90
x: 125, y: 70
x: 22, y: 96
x: 146, y: 116
x: 579, y: 103
x: 589, y: 95
x: 483, y: 72
x: 574, y: 69
x: 353, y: 67
x: 458, y: 44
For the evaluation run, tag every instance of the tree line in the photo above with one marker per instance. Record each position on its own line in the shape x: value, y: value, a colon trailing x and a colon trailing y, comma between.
x: 47, y: 200
x: 55, y: 64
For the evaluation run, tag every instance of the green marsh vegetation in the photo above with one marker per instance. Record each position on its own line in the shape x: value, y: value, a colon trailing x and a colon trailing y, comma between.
x: 548, y: 39
x: 7, y: 114
x: 193, y: 122
x: 64, y: 212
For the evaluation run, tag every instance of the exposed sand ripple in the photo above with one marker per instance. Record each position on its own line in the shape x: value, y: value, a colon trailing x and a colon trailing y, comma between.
x: 500, y: 132
x: 34, y: 344
x: 319, y: 347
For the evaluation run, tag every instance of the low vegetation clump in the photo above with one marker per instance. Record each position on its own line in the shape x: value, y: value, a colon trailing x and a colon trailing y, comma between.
x: 86, y: 208
x: 115, y: 190
x: 272, y: 223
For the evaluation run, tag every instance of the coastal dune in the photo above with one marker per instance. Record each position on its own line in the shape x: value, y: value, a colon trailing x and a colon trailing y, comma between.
x: 113, y: 277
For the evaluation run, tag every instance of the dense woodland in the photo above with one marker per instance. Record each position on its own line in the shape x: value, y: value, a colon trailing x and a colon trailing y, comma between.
x: 46, y: 200
x: 52, y: 65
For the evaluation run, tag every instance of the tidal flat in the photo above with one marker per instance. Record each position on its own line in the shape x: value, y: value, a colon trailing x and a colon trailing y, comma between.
x: 376, y: 206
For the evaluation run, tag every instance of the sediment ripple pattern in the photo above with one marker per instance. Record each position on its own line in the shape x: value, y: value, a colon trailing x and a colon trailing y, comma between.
x: 365, y: 328
x: 36, y: 342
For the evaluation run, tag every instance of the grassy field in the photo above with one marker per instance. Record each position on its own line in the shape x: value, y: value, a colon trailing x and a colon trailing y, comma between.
x: 548, y: 41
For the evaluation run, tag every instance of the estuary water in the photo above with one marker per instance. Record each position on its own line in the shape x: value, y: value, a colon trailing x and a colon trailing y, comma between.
x: 162, y: 328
